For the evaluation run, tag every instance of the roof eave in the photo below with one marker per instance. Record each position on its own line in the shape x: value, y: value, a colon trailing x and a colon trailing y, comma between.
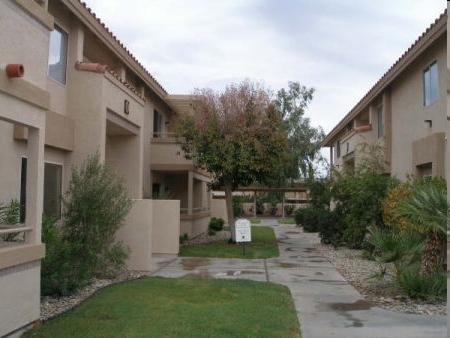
x: 433, y: 33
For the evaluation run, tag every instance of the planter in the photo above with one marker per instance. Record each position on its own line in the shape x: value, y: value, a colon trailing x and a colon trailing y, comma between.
x: 362, y: 129
x: 15, y: 70
x: 91, y: 67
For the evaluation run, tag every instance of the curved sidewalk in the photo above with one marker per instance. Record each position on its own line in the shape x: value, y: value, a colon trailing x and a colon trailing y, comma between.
x: 327, y: 306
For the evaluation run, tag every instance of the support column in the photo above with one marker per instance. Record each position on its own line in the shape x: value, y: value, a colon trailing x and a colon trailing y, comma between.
x: 35, y: 184
x: 190, y: 192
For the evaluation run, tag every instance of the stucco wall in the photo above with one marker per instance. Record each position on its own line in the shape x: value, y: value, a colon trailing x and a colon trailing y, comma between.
x: 408, y: 112
x: 20, y: 296
x: 166, y: 226
x: 219, y: 209
x: 137, y: 235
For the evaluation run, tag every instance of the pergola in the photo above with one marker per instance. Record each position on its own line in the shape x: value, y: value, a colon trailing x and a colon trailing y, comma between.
x: 255, y: 190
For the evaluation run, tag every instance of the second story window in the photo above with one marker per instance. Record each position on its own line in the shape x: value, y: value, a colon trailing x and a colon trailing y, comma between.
x: 57, y: 56
x: 157, y: 124
x: 380, y: 124
x: 430, y: 84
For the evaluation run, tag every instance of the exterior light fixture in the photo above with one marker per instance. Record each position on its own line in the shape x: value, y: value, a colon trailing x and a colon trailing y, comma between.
x: 430, y: 122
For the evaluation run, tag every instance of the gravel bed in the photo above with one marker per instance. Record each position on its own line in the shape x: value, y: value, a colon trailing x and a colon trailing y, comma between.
x: 205, y: 238
x: 358, y: 272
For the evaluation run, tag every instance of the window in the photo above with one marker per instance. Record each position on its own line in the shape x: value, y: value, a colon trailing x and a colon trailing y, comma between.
x: 430, y: 84
x: 52, y: 190
x: 424, y: 170
x: 380, y: 124
x: 338, y: 149
x: 157, y: 124
x: 57, y: 55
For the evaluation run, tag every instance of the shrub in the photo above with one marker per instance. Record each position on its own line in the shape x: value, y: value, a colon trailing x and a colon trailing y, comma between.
x: 273, y: 208
x: 402, y: 248
x: 288, y: 209
x: 183, y: 238
x: 216, y: 224
x: 60, y: 275
x: 359, y: 197
x: 330, y: 227
x: 431, y: 287
x: 96, y: 204
x: 238, y: 208
x: 308, y: 218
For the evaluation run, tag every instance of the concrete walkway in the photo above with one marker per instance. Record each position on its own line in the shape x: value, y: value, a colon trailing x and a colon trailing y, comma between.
x: 327, y: 306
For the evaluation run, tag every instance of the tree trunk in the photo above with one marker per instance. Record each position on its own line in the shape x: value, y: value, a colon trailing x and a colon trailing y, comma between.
x: 229, y: 205
x: 431, y: 254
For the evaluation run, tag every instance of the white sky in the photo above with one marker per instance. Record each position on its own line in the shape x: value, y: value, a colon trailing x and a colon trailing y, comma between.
x: 339, y: 47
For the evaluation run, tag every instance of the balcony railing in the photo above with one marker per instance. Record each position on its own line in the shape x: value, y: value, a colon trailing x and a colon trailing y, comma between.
x: 11, y: 234
x: 163, y: 135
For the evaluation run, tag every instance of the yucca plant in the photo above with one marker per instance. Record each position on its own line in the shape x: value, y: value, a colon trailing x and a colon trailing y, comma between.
x: 427, y: 209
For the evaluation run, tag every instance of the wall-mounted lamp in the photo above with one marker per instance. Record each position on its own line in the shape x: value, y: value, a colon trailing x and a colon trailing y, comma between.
x: 430, y: 122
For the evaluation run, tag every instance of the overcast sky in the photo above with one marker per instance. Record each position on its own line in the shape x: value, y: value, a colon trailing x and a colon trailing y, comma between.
x: 339, y: 47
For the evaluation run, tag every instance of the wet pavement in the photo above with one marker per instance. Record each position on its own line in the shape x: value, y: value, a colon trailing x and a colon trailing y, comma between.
x: 327, y: 306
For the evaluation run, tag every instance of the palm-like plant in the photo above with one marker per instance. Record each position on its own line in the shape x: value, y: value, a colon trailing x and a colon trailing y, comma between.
x: 428, y: 210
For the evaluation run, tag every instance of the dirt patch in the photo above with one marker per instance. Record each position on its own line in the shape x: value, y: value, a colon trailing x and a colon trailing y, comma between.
x: 287, y: 265
x: 355, y: 306
x: 190, y: 264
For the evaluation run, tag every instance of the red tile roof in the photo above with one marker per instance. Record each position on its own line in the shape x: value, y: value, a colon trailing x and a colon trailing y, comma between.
x: 122, y: 45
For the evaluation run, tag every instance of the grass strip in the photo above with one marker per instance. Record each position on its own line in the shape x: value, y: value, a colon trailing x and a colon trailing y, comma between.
x: 187, y: 307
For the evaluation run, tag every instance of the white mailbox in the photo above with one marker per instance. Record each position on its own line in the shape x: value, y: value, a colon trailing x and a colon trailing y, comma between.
x: 243, y: 230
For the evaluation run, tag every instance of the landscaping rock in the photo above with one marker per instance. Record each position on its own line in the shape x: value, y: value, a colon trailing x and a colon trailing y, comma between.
x: 360, y: 272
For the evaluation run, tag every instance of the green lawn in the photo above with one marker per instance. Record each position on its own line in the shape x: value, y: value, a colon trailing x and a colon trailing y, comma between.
x: 255, y: 220
x: 263, y: 245
x: 158, y: 307
x: 286, y: 220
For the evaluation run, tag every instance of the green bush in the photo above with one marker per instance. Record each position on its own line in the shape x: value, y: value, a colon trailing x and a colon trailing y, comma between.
x: 330, y: 227
x: 359, y: 197
x: 60, y: 273
x: 238, y: 208
x: 308, y: 218
x: 96, y: 204
x: 417, y: 285
x: 288, y: 209
x: 402, y: 248
x: 216, y: 224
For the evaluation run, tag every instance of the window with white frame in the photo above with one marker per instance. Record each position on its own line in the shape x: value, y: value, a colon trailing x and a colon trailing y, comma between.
x: 57, y: 56
x: 430, y: 84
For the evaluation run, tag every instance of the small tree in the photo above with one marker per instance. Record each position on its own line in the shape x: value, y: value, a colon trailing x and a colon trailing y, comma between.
x: 428, y: 210
x: 305, y: 141
x: 236, y: 135
x: 96, y: 204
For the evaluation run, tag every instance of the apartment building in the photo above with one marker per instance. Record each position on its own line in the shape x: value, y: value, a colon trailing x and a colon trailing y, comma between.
x: 404, y: 113
x: 68, y: 89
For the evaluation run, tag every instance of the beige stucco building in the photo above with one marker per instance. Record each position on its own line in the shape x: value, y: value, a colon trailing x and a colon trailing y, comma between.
x: 403, y: 113
x: 80, y: 91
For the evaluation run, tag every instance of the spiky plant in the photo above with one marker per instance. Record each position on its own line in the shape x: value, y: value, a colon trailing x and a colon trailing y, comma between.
x: 427, y: 209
